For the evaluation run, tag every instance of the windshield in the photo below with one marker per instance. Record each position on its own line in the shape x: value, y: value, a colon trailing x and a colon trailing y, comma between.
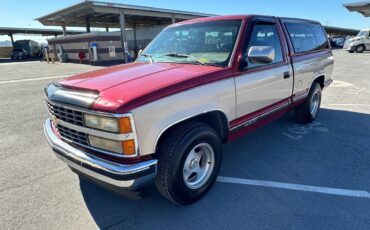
x: 205, y: 43
x: 362, y: 33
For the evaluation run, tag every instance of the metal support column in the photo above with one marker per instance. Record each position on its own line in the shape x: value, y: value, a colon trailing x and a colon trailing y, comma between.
x: 106, y: 28
x: 135, y: 41
x: 64, y: 29
x: 87, y: 24
x: 122, y: 23
x: 11, y: 38
x: 173, y: 18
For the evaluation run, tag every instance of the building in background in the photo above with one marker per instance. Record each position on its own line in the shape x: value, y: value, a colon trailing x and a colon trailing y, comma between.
x: 137, y: 26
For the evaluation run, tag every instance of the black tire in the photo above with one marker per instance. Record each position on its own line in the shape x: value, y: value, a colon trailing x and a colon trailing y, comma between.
x: 351, y: 51
x: 303, y: 112
x: 172, y: 154
x: 360, y: 48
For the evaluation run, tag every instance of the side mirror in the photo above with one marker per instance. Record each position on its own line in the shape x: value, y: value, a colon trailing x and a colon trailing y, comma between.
x: 261, y: 54
x: 139, y: 53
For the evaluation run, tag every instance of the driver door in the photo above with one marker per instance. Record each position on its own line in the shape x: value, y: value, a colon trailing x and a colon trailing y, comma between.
x: 262, y: 88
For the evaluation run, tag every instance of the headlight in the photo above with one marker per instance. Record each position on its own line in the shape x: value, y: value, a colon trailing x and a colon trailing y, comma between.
x: 114, y: 125
x: 126, y: 147
x: 106, y: 144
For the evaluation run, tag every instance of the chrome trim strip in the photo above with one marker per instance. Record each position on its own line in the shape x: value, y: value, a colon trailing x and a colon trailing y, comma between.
x: 98, y: 133
x: 258, y: 118
x: 96, y: 162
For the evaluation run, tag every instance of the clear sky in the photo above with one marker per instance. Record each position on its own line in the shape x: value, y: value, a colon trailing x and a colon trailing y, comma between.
x: 21, y: 13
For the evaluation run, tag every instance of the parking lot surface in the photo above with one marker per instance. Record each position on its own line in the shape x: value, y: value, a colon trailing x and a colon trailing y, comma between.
x: 282, y: 176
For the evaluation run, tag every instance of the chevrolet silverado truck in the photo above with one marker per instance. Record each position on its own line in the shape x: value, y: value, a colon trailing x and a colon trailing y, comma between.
x: 198, y: 84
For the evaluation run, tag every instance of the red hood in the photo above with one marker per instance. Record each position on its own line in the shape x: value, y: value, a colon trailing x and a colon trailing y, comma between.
x: 124, y: 87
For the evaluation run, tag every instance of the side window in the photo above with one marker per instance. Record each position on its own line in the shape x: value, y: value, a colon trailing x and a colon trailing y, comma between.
x: 322, y: 41
x: 306, y: 36
x: 265, y: 35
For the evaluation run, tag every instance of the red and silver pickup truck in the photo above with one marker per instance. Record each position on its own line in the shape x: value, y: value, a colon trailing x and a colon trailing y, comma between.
x: 198, y: 84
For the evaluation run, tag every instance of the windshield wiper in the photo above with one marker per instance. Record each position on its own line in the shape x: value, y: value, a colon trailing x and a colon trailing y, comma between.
x: 184, y: 56
x: 148, y: 56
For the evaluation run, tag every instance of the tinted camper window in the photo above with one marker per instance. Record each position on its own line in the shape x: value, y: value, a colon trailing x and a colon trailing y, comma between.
x: 306, y: 36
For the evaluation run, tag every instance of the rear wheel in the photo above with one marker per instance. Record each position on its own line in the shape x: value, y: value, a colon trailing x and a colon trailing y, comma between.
x: 189, y: 158
x: 360, y: 49
x: 309, y: 109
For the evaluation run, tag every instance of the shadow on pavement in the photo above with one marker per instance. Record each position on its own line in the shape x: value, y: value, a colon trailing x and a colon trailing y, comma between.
x: 335, y: 153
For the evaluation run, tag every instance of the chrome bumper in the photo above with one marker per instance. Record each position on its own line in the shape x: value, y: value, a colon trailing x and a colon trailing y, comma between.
x: 131, y: 177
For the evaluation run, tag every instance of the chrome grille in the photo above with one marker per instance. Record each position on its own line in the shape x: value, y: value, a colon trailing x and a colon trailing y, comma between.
x: 73, y: 135
x: 64, y: 114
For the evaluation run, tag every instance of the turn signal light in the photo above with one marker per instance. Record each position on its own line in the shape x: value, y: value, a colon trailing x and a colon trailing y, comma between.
x: 125, y: 125
x: 128, y: 147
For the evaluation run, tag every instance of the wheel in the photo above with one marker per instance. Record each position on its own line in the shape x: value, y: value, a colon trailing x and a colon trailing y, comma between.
x: 189, y: 159
x: 351, y: 51
x: 309, y: 109
x: 360, y: 49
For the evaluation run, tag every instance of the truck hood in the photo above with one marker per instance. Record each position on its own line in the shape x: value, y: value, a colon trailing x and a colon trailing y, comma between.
x: 124, y: 87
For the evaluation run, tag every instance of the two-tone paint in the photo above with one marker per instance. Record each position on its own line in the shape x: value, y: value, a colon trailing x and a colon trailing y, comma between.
x: 152, y: 91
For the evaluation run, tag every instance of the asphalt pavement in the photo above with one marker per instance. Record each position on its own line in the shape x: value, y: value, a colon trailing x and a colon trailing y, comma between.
x: 282, y: 176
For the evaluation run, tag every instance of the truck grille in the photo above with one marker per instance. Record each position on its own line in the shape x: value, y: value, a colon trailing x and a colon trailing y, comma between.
x: 73, y: 135
x: 64, y: 114
x: 72, y: 117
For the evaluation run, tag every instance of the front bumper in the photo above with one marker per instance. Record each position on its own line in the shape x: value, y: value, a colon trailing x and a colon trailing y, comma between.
x: 109, y: 174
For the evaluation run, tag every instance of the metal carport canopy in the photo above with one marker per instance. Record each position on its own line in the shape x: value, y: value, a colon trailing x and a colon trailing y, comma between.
x: 340, y: 31
x: 103, y: 14
x: 44, y: 32
x: 360, y: 7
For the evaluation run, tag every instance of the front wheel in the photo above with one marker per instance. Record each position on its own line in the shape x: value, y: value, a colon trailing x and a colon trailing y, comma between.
x: 189, y: 159
x: 309, y: 109
x: 360, y: 49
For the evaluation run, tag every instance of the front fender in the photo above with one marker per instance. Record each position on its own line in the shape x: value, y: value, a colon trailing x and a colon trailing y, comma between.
x: 153, y: 119
x: 353, y: 44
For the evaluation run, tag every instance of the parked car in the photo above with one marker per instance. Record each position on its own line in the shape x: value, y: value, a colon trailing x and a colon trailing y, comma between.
x: 338, y: 41
x: 33, y: 48
x: 360, y: 43
x: 19, y: 54
x: 198, y: 84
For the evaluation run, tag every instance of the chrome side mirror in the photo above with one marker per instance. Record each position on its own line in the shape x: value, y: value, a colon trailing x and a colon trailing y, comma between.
x: 261, y: 54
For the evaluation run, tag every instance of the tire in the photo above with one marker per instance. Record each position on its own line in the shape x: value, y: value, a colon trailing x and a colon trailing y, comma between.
x: 309, y: 109
x: 351, y: 51
x: 360, y: 49
x: 176, y: 160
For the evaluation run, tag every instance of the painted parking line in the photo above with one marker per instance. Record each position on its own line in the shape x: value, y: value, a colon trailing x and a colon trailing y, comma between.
x: 297, y: 187
x: 33, y: 79
x: 17, y: 63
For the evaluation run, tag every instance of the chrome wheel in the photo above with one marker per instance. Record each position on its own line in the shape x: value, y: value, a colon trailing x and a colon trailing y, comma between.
x: 314, y: 105
x: 198, y: 166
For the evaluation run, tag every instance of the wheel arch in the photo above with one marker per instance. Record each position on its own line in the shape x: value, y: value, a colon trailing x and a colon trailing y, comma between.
x: 321, y: 80
x: 217, y: 119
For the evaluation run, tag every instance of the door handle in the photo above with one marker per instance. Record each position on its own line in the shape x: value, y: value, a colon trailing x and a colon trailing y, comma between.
x: 286, y: 75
